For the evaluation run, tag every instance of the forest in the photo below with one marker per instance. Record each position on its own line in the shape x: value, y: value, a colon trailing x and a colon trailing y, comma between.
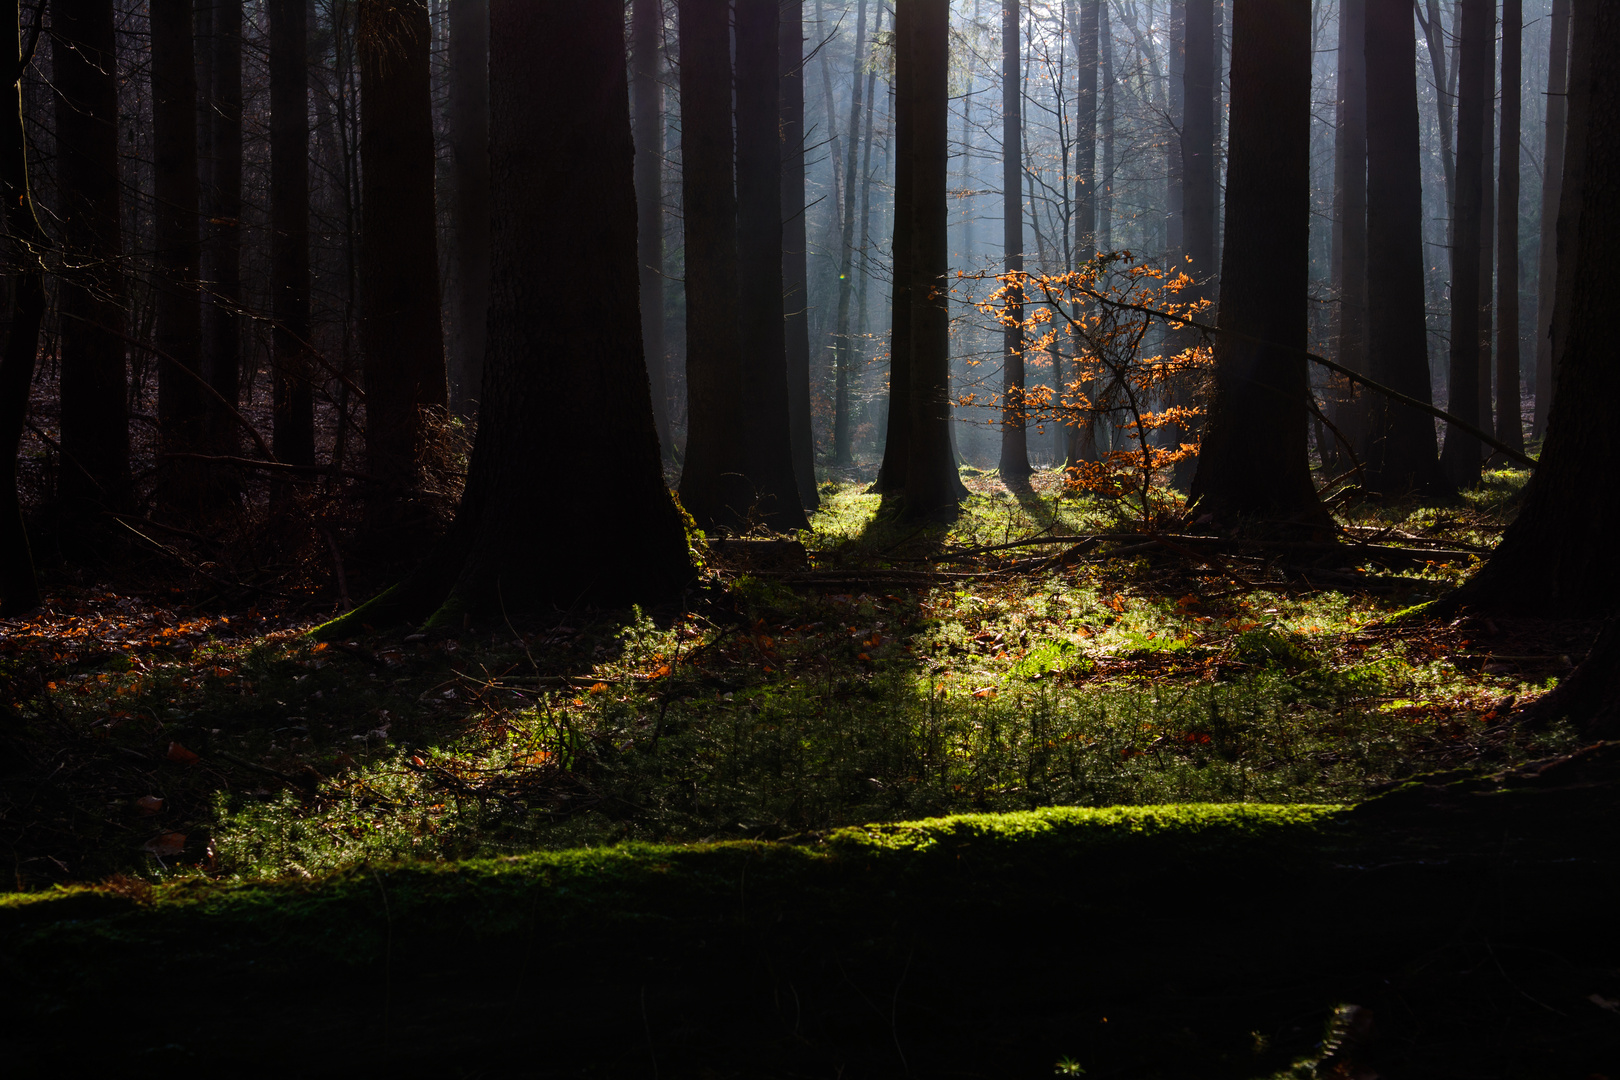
x: 784, y: 538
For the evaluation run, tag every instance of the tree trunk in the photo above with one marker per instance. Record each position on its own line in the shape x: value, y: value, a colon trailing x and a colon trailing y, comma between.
x: 19, y: 591
x: 1175, y: 169
x: 796, y: 250
x: 647, y: 101
x: 221, y: 324
x: 94, y: 424
x: 891, y: 477
x: 712, y: 487
x: 1105, y: 177
x: 401, y: 334
x: 1460, y: 457
x: 932, y: 486
x: 469, y: 148
x: 1401, y: 452
x: 1014, y: 463
x: 1552, y: 175
x: 293, y: 389
x: 843, y: 362
x: 865, y: 235
x: 624, y: 541
x: 1197, y: 180
x: 177, y: 252
x: 1253, y: 458
x: 1557, y: 558
x: 1434, y: 35
x: 1509, y: 422
x: 1350, y: 214
x: 1080, y: 442
x: 767, y: 457
x: 1487, y: 224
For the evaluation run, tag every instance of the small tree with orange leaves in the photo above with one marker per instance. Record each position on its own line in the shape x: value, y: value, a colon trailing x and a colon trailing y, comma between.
x: 1096, y: 321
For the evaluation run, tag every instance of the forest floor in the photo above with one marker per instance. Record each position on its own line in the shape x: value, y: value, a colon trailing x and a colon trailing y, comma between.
x: 1030, y: 654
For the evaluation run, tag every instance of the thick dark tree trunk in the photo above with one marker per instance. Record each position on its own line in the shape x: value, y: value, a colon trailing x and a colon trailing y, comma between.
x: 1509, y: 422
x: 19, y: 590
x: 624, y: 541
x: 647, y: 103
x: 712, y: 487
x: 222, y: 331
x: 401, y: 333
x: 1460, y: 458
x: 1401, y: 451
x: 469, y: 148
x: 94, y: 425
x: 1552, y: 175
x: 844, y: 356
x: 1350, y: 213
x: 796, y: 250
x: 1253, y: 458
x: 767, y: 451
x: 1014, y: 425
x: 932, y: 486
x: 177, y: 252
x: 1557, y: 558
x: 891, y: 477
x: 293, y: 387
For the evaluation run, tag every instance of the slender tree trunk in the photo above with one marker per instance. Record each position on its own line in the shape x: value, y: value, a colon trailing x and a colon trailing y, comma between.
x: 624, y: 543
x: 1198, y: 177
x: 1509, y: 422
x: 932, y: 486
x: 19, y: 590
x: 712, y: 486
x: 401, y: 335
x: 469, y: 148
x: 1253, y: 459
x: 1085, y: 131
x: 1401, y: 453
x: 647, y: 101
x: 866, y: 190
x: 1557, y: 558
x: 1552, y: 175
x: 1487, y: 225
x: 1434, y: 34
x: 177, y: 254
x: 1173, y: 217
x: 843, y: 362
x: 835, y: 147
x: 292, y: 378
x: 1105, y: 178
x: 1350, y: 213
x: 891, y: 477
x: 221, y: 322
x: 1460, y: 457
x: 1014, y: 463
x: 767, y: 459
x: 94, y: 423
x: 796, y: 250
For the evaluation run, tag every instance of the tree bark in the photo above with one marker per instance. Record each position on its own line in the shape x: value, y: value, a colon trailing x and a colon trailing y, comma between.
x: 843, y: 360
x: 1197, y: 180
x: 1105, y: 176
x: 796, y: 250
x: 1014, y: 462
x: 1253, y: 458
x: 647, y: 101
x: 401, y: 333
x: 767, y: 458
x: 712, y: 487
x: 19, y: 589
x: 1460, y: 457
x: 222, y: 330
x: 933, y: 487
x: 95, y: 426
x: 1509, y: 422
x: 1350, y: 214
x: 865, y: 234
x: 1401, y: 453
x: 505, y: 554
x: 293, y: 388
x: 1175, y: 169
x: 1552, y: 174
x: 1557, y: 558
x: 1080, y: 439
x: 891, y: 477
x: 469, y: 148
x: 1487, y: 225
